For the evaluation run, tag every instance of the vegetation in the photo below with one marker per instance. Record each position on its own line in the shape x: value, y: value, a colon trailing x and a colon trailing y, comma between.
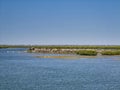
x: 87, y: 52
x: 116, y: 52
x: 79, y: 46
x: 15, y: 46
x: 64, y: 46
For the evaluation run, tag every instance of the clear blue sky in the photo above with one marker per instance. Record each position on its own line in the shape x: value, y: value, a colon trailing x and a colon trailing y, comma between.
x: 78, y: 22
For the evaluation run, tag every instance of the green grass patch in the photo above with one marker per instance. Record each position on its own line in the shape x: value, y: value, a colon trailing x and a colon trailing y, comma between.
x: 78, y: 46
x: 116, y: 52
x: 116, y: 47
x: 15, y: 46
x: 87, y: 52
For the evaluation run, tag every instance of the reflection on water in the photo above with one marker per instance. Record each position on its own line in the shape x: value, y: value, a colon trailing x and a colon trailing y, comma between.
x: 23, y: 71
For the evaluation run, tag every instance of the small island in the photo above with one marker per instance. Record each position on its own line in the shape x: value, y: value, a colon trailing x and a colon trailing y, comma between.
x: 86, y: 50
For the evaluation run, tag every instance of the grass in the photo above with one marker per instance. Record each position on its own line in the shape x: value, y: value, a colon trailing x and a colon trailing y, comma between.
x: 116, y: 52
x: 87, y: 52
x: 79, y: 46
x: 15, y: 46
x: 64, y: 46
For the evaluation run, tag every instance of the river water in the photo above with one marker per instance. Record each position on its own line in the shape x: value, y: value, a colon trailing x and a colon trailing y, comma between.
x: 23, y: 71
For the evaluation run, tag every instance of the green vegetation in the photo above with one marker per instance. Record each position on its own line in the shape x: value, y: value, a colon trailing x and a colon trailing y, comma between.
x: 15, y: 46
x: 64, y: 46
x: 79, y: 46
x: 87, y: 52
x: 116, y: 52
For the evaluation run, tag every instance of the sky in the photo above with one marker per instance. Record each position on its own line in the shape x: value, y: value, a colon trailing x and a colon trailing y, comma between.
x: 60, y: 22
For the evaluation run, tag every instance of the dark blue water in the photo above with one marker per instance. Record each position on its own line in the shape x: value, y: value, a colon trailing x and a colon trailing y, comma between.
x: 23, y: 71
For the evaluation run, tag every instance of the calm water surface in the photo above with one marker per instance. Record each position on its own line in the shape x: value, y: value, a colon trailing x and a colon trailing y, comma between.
x: 23, y: 71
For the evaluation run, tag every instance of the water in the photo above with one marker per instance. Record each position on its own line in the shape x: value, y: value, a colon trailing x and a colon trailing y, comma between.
x: 23, y: 71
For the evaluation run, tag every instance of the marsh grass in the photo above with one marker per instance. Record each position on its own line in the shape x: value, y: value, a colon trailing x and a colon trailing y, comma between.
x: 15, y: 46
x: 115, y: 52
x: 87, y: 52
x: 79, y: 46
x: 64, y: 46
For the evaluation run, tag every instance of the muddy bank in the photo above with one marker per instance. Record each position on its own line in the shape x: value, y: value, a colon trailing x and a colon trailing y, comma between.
x: 66, y: 57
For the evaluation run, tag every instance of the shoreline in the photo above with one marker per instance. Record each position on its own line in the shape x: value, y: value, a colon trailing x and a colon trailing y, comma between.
x: 65, y: 57
x: 76, y: 57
